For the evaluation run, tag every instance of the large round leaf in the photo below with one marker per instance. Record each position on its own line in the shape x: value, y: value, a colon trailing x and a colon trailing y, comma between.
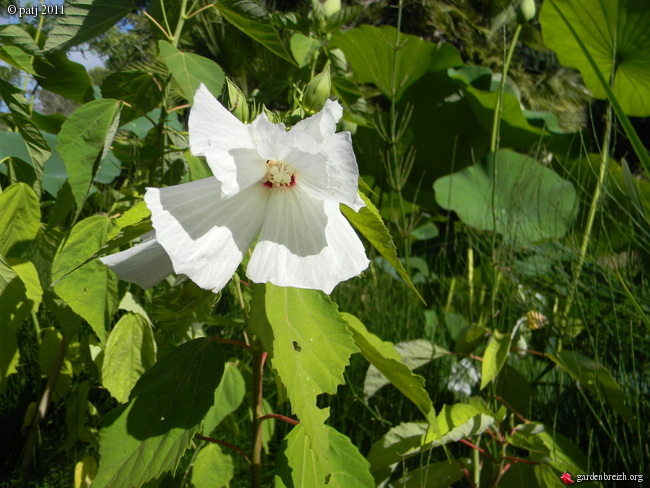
x: 617, y: 35
x: 531, y: 201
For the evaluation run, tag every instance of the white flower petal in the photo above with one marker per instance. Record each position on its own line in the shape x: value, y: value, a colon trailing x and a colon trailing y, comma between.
x: 224, y: 141
x: 205, y: 236
x: 338, y: 179
x: 305, y: 243
x: 323, y: 124
x: 145, y: 264
x: 271, y: 141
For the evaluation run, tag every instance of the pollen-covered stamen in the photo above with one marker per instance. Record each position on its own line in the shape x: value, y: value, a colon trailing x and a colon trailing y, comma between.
x: 279, y: 174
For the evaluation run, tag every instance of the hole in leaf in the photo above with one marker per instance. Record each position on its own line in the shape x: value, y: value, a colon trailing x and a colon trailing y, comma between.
x: 296, y: 346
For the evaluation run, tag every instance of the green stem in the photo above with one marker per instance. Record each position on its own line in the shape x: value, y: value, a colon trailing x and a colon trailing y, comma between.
x: 259, y: 357
x: 180, y: 23
x: 602, y: 171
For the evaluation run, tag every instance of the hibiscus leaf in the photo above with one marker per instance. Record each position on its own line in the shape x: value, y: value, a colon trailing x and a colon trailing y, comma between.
x: 59, y: 75
x: 297, y: 465
x: 149, y: 435
x: 190, y: 70
x: 133, y: 223
x: 84, y: 20
x: 17, y: 58
x: 495, y: 357
x: 20, y: 216
x: 251, y: 18
x: 227, y: 397
x: 212, y: 467
x: 39, y: 150
x: 90, y: 291
x: 130, y: 351
x: 14, y: 307
x: 309, y: 346
x: 84, y: 141
x: 137, y: 88
x: 15, y: 35
x: 369, y: 223
x: 387, y: 361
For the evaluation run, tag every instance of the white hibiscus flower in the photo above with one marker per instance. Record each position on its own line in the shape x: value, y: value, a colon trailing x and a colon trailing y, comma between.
x: 285, y: 186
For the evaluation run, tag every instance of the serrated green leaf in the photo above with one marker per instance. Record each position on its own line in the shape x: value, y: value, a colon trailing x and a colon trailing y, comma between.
x: 84, y: 20
x: 56, y: 73
x: 91, y: 291
x: 84, y: 141
x: 137, y: 88
x: 39, y: 150
x: 369, y: 223
x: 212, y: 467
x: 495, y: 356
x: 130, y: 351
x: 17, y: 58
x: 298, y: 466
x: 190, y: 70
x: 251, y: 18
x: 309, y: 346
x: 388, y: 362
x: 20, y: 216
x: 227, y: 397
x: 15, y: 35
x: 303, y: 48
x: 14, y: 307
x: 595, y: 378
x: 148, y: 436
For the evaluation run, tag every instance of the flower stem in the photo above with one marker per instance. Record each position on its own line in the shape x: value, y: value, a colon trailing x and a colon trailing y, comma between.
x: 259, y: 357
x: 223, y: 443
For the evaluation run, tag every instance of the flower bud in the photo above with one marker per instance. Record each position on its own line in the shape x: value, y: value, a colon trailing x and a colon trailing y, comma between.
x: 318, y: 90
x: 237, y: 101
x: 526, y: 11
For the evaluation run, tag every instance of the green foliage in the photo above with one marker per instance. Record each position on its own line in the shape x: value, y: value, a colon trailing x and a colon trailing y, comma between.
x: 614, y: 32
x: 20, y: 217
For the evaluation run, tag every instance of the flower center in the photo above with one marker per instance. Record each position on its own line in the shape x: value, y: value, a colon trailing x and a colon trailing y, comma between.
x: 279, y: 174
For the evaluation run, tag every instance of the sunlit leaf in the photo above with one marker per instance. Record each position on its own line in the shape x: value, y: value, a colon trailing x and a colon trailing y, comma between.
x: 190, y: 70
x: 84, y: 141
x: 495, y: 356
x: 91, y: 291
x: 297, y: 465
x: 212, y: 467
x: 615, y: 32
x: 309, y: 346
x: 130, y: 351
x: 369, y: 223
x: 59, y: 75
x: 20, y: 216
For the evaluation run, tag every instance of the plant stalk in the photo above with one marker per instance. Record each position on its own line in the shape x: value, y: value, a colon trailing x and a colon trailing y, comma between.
x: 259, y: 357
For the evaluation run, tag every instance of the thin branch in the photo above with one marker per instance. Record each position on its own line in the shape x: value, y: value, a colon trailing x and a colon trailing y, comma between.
x: 288, y: 420
x: 223, y: 443
x: 479, y: 449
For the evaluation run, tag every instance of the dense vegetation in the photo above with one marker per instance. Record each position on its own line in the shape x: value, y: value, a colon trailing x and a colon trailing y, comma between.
x: 499, y: 336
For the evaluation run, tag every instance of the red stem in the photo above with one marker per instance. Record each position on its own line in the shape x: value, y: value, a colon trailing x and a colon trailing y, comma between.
x: 519, y: 416
x: 288, y: 420
x: 223, y: 443
x: 479, y: 449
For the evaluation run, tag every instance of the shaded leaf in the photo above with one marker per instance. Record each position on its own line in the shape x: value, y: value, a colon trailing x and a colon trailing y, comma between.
x: 227, y: 397
x: 20, y: 216
x: 212, y: 467
x: 137, y: 88
x: 59, y: 75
